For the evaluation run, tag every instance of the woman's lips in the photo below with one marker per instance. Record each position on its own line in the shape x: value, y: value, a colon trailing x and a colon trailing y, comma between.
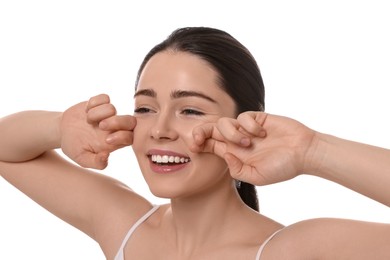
x: 165, y: 161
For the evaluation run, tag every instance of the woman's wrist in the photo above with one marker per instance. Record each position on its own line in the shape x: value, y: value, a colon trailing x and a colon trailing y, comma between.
x: 54, y: 140
x: 317, y: 155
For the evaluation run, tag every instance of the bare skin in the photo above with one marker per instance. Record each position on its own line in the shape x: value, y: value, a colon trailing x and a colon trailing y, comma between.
x: 206, y: 218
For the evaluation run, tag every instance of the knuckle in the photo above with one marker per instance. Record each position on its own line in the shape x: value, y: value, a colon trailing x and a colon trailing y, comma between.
x: 98, y: 100
x: 111, y: 109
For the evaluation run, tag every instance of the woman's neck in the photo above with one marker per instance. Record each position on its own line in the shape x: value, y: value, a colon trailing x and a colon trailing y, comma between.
x: 204, y: 218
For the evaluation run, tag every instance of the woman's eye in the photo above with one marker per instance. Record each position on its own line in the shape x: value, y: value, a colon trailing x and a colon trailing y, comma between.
x: 141, y: 110
x: 192, y: 112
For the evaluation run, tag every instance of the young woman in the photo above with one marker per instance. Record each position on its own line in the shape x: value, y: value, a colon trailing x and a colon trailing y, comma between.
x: 202, y: 140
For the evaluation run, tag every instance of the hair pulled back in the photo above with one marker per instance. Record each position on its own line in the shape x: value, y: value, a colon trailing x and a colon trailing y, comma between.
x: 238, y: 74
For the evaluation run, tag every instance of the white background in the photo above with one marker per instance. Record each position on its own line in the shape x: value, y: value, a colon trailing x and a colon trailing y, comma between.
x: 324, y: 63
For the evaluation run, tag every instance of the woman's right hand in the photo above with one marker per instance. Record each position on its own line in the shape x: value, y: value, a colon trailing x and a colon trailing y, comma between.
x: 91, y: 130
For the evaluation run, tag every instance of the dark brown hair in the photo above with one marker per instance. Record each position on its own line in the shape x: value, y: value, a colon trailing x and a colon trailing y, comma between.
x: 239, y: 74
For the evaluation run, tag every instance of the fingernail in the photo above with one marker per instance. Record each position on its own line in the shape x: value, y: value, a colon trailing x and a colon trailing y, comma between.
x: 110, y: 139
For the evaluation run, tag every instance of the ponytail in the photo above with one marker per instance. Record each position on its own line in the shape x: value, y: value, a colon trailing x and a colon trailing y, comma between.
x: 248, y: 194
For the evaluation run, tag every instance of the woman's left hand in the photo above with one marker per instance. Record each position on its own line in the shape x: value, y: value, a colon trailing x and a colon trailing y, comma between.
x: 259, y: 148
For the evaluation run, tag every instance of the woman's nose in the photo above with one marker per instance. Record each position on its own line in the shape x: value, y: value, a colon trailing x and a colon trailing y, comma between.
x: 163, y: 129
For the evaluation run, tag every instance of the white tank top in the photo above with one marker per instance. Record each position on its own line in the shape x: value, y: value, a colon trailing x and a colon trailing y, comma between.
x: 120, y: 254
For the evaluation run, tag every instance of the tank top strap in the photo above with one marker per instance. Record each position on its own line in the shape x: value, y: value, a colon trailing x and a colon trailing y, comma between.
x: 120, y: 254
x: 258, y: 255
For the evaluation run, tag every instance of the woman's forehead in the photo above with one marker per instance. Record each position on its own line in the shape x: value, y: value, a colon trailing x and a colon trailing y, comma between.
x: 178, y: 69
x: 170, y: 73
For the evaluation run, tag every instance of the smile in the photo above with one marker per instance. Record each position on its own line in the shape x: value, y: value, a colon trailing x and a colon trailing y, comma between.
x: 168, y: 159
x: 165, y: 161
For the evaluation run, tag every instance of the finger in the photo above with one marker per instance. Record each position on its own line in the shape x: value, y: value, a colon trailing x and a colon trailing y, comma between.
x: 229, y: 129
x: 240, y: 171
x: 206, y: 137
x: 210, y: 146
x: 120, y: 139
x: 101, y: 160
x: 115, y: 123
x: 252, y: 123
x: 97, y: 114
x: 260, y: 117
x: 94, y: 160
x: 97, y: 101
x: 205, y: 131
x: 234, y: 164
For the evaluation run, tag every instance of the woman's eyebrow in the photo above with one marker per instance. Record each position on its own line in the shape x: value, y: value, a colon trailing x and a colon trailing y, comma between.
x: 175, y: 94
x: 146, y: 92
x: 190, y: 93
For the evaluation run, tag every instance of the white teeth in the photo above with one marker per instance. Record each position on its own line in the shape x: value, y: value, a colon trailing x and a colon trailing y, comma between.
x: 168, y: 159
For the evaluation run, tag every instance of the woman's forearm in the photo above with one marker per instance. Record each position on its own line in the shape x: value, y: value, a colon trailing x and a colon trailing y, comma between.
x: 26, y: 135
x: 360, y: 167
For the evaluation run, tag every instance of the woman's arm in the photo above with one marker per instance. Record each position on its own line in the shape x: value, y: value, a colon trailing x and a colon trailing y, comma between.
x: 361, y: 167
x: 26, y: 135
x: 262, y: 149
x: 331, y: 239
x: 86, y: 133
x: 85, y: 199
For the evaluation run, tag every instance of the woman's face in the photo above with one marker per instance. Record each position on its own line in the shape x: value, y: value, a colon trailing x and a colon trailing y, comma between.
x: 176, y: 92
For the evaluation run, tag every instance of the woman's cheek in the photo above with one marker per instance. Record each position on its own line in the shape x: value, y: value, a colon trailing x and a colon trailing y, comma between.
x: 186, y: 133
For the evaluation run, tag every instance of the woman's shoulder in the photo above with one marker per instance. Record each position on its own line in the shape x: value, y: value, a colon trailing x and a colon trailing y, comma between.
x: 122, y: 209
x: 330, y: 238
x: 297, y: 241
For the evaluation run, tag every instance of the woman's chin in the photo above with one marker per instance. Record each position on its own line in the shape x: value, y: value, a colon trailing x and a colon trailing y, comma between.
x: 165, y: 193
